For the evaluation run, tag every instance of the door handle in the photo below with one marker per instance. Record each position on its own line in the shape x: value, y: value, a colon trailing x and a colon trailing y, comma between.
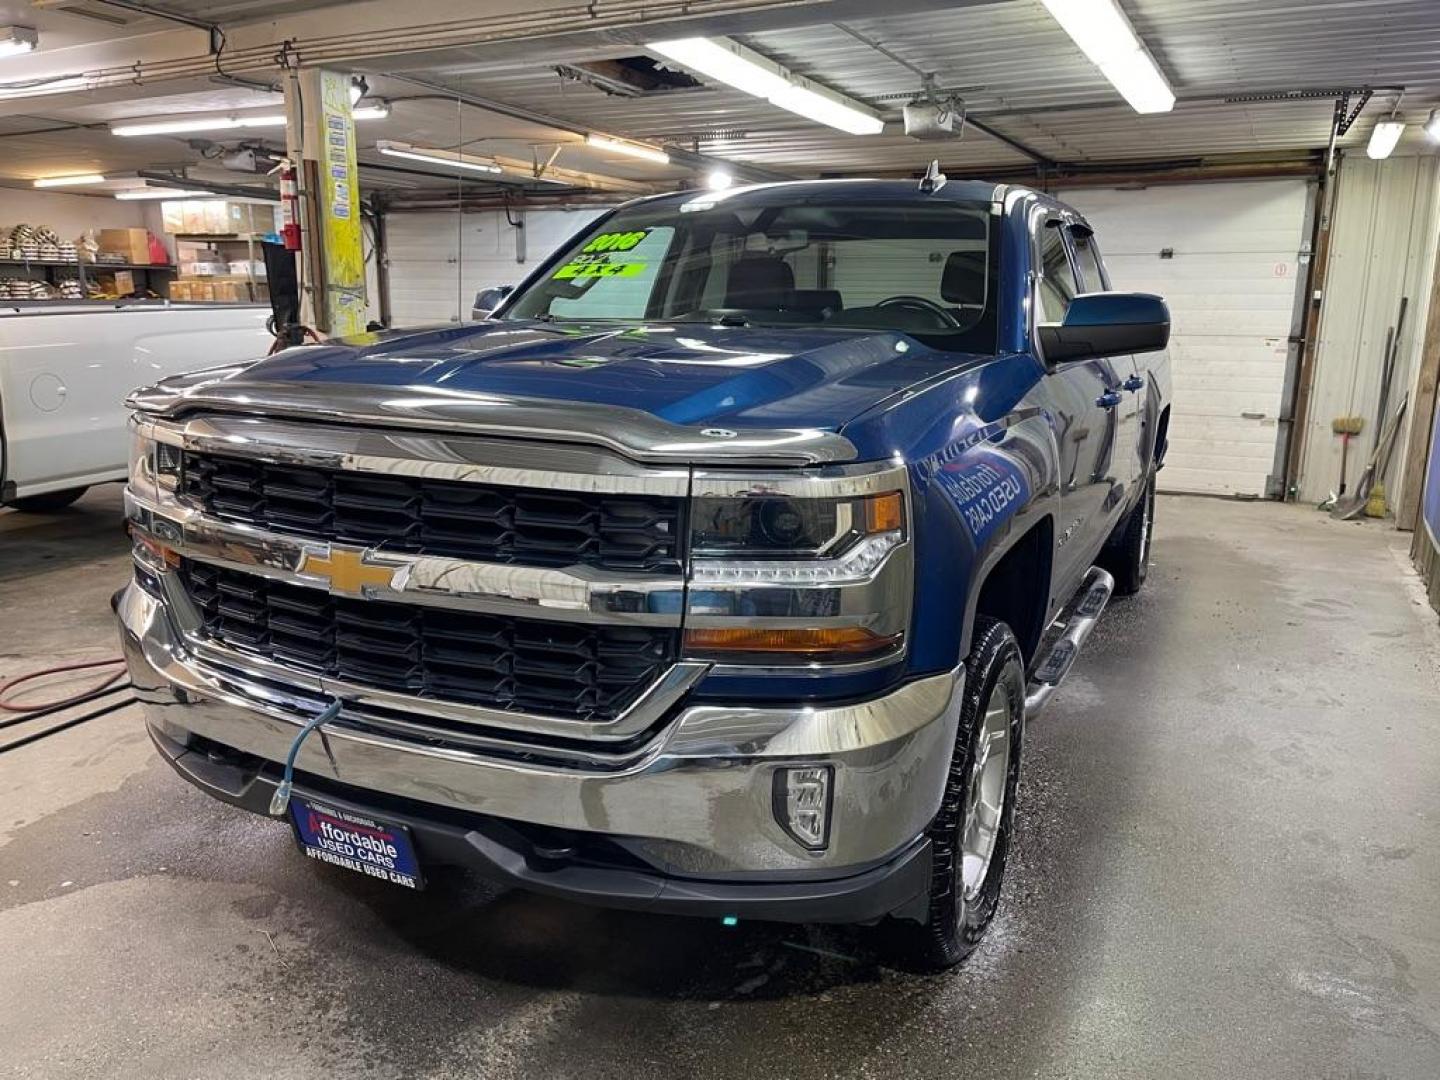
x: 1134, y: 383
x: 1109, y: 399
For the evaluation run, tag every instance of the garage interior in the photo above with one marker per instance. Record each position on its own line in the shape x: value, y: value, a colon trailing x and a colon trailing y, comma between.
x: 1225, y: 861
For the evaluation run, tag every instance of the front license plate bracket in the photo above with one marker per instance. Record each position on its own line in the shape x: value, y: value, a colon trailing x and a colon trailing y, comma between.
x: 356, y: 841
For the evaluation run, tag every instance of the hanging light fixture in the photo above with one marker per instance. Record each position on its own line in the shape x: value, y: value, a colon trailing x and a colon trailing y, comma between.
x: 450, y: 159
x: 1104, y: 34
x: 628, y: 148
x: 735, y: 65
x: 1384, y: 138
x: 69, y: 181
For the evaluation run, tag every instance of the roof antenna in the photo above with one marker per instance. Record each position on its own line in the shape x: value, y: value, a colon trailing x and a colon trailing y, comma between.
x: 934, y: 179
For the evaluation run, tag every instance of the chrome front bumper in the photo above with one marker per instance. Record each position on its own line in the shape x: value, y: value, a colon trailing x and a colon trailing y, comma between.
x: 695, y: 800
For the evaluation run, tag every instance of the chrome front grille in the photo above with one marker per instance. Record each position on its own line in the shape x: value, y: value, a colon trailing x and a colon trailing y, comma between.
x: 484, y: 522
x: 582, y: 671
x: 447, y: 589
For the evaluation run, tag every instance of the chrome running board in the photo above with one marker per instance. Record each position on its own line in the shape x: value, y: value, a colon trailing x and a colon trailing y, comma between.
x: 1067, y: 634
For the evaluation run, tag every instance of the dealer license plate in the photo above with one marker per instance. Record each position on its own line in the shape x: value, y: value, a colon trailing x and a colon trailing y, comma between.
x: 358, y: 842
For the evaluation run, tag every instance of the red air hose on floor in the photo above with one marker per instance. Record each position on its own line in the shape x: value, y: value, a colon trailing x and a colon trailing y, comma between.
x: 10, y: 684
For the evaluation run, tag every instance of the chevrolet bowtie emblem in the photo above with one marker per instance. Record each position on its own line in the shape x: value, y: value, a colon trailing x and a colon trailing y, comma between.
x: 346, y: 570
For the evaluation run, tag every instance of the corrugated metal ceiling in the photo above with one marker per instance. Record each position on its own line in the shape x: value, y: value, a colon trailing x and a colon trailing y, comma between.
x: 1026, y: 78
x: 1022, y: 74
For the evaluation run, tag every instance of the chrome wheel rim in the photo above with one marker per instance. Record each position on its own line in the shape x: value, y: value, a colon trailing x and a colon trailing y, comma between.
x: 985, y: 797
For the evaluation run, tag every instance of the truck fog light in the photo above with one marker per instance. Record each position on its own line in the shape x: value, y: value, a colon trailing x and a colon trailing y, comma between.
x: 802, y: 803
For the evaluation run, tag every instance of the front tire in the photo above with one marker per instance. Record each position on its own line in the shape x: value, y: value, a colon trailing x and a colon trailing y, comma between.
x: 49, y: 502
x: 970, y: 837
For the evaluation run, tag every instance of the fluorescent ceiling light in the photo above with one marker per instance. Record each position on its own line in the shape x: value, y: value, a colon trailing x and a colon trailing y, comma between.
x: 163, y: 193
x: 69, y: 181
x: 209, y: 123
x: 17, y: 39
x: 632, y: 149
x: 728, y: 62
x: 450, y: 159
x: 1106, y: 37
x: 815, y: 103
x: 225, y: 123
x: 719, y: 179
x: 1384, y: 138
x: 733, y: 64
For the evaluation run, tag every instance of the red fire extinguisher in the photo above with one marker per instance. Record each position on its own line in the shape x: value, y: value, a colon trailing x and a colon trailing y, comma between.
x: 289, y: 207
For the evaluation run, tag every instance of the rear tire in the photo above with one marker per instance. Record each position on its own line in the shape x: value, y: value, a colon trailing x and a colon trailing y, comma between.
x: 49, y: 502
x: 970, y: 837
x: 1127, y: 556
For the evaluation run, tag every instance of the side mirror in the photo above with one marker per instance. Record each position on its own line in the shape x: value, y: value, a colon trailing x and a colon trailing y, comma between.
x: 1107, y: 324
x: 487, y: 300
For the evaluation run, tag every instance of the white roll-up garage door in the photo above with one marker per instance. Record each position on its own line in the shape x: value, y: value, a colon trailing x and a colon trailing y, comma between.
x: 440, y: 260
x: 1230, y: 280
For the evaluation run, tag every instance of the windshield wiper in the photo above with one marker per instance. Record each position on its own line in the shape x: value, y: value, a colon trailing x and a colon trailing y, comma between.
x: 732, y: 318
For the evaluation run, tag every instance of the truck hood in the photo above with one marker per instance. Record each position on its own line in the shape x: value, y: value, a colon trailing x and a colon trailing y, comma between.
x: 687, y: 375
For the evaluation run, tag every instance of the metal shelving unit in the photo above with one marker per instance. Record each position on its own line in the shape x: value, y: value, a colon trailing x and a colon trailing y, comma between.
x: 84, y: 269
x: 258, y: 288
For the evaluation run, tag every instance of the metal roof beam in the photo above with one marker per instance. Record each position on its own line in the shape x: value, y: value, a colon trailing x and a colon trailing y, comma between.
x: 678, y: 155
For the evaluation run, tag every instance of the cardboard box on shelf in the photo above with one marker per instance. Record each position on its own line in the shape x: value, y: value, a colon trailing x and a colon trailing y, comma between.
x: 262, y: 218
x: 116, y: 283
x: 231, y: 292
x: 193, y: 216
x: 239, y: 217
x: 134, y: 244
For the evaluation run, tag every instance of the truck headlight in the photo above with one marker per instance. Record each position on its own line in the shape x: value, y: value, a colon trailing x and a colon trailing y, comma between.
x: 793, y: 528
x: 155, y: 468
x: 799, y: 570
x: 154, y: 465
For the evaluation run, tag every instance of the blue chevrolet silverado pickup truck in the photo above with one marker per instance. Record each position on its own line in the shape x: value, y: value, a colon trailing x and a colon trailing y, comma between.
x: 715, y: 573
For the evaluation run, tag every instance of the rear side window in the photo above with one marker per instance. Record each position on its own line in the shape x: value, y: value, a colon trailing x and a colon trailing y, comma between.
x: 1057, y: 279
x: 1087, y: 255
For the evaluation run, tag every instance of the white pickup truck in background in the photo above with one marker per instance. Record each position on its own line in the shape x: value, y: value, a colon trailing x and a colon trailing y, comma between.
x: 65, y: 371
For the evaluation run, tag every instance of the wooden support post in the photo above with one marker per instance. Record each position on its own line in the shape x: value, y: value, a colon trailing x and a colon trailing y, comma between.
x: 1314, y: 299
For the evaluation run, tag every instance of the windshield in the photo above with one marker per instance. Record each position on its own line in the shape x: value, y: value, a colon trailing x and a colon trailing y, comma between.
x: 923, y: 268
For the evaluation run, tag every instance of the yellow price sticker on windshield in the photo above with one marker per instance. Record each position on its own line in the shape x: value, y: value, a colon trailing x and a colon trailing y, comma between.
x: 615, y: 241
x: 585, y: 269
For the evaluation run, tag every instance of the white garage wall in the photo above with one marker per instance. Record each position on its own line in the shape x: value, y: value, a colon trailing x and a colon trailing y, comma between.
x: 440, y: 260
x: 1382, y: 245
x: 1231, y: 287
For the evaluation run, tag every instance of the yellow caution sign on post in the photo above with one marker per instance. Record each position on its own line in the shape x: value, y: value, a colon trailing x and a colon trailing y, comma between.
x: 330, y: 143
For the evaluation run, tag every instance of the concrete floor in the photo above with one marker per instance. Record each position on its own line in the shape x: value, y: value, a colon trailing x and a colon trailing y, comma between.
x: 1227, y: 867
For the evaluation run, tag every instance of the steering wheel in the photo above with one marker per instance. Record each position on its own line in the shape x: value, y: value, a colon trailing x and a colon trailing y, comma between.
x: 919, y: 303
